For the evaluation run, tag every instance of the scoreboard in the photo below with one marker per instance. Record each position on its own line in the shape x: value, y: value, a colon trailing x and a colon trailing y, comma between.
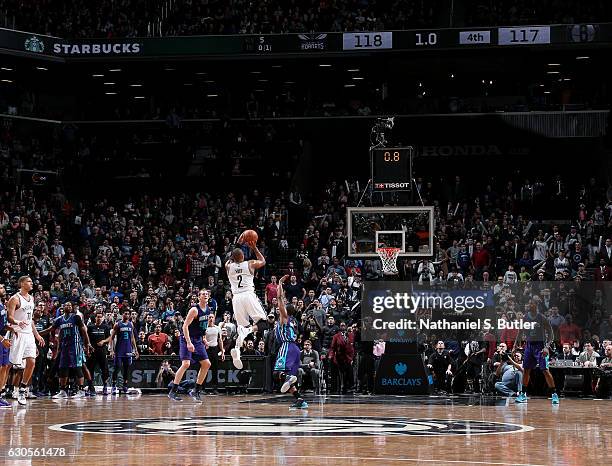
x: 392, y: 168
x: 333, y: 43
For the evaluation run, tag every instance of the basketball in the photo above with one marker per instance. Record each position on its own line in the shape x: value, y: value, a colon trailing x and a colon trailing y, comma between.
x: 249, y: 236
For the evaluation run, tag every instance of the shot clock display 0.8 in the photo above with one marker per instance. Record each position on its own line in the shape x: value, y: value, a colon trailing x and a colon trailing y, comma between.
x: 392, y: 168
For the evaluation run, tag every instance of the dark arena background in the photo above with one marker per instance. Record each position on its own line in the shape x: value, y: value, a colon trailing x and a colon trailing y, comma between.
x: 334, y: 232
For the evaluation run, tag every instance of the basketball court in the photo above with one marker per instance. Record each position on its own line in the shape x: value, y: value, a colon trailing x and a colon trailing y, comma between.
x: 259, y: 429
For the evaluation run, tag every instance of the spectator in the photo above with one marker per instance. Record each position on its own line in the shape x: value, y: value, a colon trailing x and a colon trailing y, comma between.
x: 157, y: 341
x: 341, y: 354
x: 588, y: 357
x: 309, y: 366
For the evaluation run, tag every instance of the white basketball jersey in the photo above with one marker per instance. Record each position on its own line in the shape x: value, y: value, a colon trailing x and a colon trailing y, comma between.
x: 240, y: 277
x: 24, y: 313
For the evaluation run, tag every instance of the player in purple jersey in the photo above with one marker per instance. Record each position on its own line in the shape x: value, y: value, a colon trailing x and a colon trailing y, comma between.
x: 123, y: 350
x: 5, y: 345
x: 536, y: 350
x: 71, y: 352
x: 192, y: 347
x: 288, y: 357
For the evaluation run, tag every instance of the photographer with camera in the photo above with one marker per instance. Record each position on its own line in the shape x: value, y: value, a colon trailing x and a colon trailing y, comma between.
x: 426, y: 272
x: 511, y: 372
x: 165, y: 375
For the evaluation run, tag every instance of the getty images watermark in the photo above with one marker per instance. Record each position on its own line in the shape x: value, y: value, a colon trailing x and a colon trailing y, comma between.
x: 408, y: 311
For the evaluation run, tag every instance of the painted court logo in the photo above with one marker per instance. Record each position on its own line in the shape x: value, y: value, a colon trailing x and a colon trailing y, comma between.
x: 401, y: 368
x: 291, y: 427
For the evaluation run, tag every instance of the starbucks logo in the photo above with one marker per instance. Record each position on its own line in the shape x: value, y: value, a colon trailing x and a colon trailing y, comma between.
x: 291, y: 426
x: 34, y: 44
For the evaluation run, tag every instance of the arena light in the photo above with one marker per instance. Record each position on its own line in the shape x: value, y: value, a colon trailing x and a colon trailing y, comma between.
x: 255, y: 72
x: 567, y: 79
x: 357, y: 78
x: 353, y: 70
x: 139, y: 96
x: 187, y: 84
x: 7, y: 81
x: 212, y: 95
x: 4, y: 68
x: 582, y: 58
x: 110, y: 93
x: 135, y: 85
x: 97, y: 75
x: 114, y: 70
x: 323, y: 65
x: 262, y: 80
x: 42, y: 68
x: 349, y: 85
x: 552, y: 72
x: 201, y: 73
x: 546, y: 92
x: 554, y: 64
x: 109, y: 84
x: 277, y: 66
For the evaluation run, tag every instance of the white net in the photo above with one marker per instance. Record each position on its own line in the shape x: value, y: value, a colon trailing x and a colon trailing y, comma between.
x: 388, y: 256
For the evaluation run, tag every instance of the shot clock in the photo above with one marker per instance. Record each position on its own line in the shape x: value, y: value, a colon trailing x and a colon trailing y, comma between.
x: 392, y: 168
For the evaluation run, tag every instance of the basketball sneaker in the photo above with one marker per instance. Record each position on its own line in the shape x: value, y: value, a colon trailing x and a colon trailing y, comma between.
x: 521, y: 398
x: 29, y: 395
x: 195, y: 394
x: 299, y: 404
x: 21, y: 397
x: 114, y: 390
x: 235, y: 352
x: 289, y: 380
x: 79, y: 394
x: 174, y: 396
x: 4, y: 403
x: 60, y: 395
x: 555, y: 399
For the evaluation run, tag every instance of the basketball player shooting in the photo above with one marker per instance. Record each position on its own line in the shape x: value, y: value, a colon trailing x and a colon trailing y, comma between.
x: 23, y: 344
x: 245, y: 302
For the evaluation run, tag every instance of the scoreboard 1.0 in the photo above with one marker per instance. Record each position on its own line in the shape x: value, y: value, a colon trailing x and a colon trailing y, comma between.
x: 392, y: 168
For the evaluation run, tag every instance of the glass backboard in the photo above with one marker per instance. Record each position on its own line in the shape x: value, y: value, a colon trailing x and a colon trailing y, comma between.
x: 408, y: 228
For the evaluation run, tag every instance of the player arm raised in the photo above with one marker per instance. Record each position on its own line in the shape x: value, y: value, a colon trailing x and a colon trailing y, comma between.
x: 193, y: 312
x: 281, y: 300
x: 260, y: 261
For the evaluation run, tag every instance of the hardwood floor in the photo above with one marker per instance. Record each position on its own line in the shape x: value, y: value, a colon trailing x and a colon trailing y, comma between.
x: 255, y: 429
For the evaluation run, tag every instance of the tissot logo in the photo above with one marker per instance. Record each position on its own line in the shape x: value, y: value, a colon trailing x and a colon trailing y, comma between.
x: 34, y: 44
x: 290, y: 426
x: 128, y: 48
x: 313, y: 41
